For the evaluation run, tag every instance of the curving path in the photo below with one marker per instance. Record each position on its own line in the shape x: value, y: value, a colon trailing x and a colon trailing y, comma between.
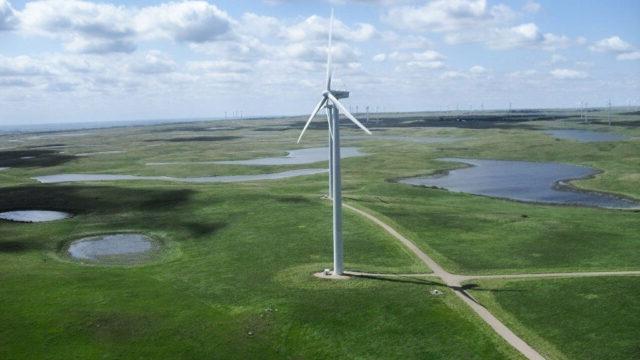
x: 454, y: 282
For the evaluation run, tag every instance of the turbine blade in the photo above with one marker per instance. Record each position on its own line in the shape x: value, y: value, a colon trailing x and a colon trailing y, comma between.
x: 329, y: 122
x: 347, y: 113
x: 329, y: 54
x: 313, y: 114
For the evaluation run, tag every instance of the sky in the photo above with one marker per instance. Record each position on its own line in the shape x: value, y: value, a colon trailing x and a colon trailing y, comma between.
x: 86, y: 61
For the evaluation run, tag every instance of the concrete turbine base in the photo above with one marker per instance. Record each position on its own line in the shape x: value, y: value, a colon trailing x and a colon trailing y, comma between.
x: 330, y: 276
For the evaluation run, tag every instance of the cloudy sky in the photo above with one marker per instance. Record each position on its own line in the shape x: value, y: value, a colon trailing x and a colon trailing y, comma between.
x: 72, y: 60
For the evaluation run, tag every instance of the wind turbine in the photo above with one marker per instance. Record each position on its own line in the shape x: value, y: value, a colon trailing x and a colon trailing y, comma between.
x: 333, y: 108
x: 585, y: 105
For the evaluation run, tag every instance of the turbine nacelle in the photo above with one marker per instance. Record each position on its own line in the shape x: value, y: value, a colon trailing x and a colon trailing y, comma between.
x: 338, y: 94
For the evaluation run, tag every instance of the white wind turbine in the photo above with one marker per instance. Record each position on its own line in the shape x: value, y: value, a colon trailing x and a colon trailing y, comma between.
x: 333, y: 108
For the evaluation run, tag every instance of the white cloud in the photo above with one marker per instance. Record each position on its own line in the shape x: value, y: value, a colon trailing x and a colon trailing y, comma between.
x: 84, y: 26
x: 556, y: 58
x: 453, y: 75
x: 188, y: 21
x: 440, y: 15
x: 88, y: 27
x: 566, y: 74
x: 22, y: 66
x: 15, y: 82
x: 524, y: 35
x: 532, y: 7
x: 8, y: 19
x: 616, y: 45
x: 436, y: 64
x: 478, y: 70
x: 427, y: 59
x: 474, y: 72
x: 379, y: 57
x: 522, y: 74
x: 261, y: 26
x: 219, y: 67
x: 317, y: 28
x: 633, y: 55
x: 611, y: 44
x: 154, y: 62
x: 464, y: 21
x: 428, y: 55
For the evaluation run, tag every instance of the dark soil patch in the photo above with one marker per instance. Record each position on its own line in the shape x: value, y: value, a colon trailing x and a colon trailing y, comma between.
x: 196, y: 138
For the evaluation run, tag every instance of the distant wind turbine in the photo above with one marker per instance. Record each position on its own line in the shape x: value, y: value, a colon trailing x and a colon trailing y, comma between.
x: 586, y: 120
x: 333, y: 108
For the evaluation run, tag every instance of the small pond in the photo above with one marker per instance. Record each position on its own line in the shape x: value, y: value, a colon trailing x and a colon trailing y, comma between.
x: 114, y: 249
x: 34, y: 216
x: 3, y: 168
x: 63, y: 178
x: 585, y: 135
x: 522, y: 181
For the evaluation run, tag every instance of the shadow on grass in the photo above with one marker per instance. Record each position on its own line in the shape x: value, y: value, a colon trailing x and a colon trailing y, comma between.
x: 630, y: 124
x: 33, y: 158
x: 464, y: 289
x: 292, y: 200
x: 196, y: 138
x: 47, y: 146
x: 275, y: 128
x: 180, y: 128
x: 199, y: 229
x: 157, y: 209
x: 17, y: 246
x: 399, y: 279
x: 91, y: 199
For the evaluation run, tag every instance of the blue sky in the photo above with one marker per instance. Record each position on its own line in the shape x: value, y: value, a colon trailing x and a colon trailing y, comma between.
x: 79, y: 61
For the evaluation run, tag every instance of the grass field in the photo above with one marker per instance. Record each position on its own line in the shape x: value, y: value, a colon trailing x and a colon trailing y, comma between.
x: 586, y: 318
x: 235, y: 277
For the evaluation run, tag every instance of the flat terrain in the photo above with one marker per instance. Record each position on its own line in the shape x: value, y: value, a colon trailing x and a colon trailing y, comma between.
x: 585, y: 318
x: 234, y: 279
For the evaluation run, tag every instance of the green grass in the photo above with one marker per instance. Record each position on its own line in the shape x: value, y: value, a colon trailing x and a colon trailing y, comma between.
x: 236, y: 281
x: 581, y: 318
x: 242, y: 252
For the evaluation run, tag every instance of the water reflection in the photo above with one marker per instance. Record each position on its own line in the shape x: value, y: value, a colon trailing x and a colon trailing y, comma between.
x: 522, y: 181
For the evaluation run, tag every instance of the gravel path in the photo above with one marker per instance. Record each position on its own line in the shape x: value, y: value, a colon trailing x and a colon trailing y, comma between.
x: 454, y: 282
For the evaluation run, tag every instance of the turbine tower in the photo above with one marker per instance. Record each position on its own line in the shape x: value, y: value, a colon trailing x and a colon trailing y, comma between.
x: 333, y: 108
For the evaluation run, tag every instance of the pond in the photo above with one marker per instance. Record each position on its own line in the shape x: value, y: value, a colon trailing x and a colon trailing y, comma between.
x: 522, y: 181
x: 34, y: 216
x: 64, y: 178
x: 585, y: 135
x: 114, y: 248
x: 3, y: 168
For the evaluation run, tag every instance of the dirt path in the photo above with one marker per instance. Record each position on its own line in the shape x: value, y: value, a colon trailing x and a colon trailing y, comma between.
x: 454, y: 282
